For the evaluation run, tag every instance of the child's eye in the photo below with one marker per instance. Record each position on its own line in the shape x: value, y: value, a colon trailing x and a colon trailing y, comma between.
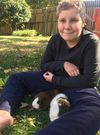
x: 62, y: 20
x: 74, y: 20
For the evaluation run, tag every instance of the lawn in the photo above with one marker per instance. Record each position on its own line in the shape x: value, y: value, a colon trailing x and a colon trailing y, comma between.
x: 23, y: 54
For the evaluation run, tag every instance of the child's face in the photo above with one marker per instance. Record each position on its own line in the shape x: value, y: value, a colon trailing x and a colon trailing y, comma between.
x: 70, y: 24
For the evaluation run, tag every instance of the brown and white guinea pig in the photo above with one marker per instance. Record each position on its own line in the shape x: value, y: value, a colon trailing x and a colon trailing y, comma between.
x: 52, y: 99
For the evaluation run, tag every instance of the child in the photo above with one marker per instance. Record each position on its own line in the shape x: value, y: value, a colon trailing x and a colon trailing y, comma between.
x: 69, y: 64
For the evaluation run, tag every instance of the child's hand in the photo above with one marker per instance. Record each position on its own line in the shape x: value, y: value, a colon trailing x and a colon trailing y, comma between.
x: 71, y: 69
x: 48, y: 76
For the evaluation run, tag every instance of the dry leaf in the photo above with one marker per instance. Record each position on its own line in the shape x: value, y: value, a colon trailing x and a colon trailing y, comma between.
x: 31, y: 122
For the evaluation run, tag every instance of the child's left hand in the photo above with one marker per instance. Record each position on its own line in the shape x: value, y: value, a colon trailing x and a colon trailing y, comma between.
x: 48, y: 76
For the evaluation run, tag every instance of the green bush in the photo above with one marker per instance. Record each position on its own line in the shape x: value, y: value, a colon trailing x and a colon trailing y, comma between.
x: 25, y: 33
x: 14, y: 12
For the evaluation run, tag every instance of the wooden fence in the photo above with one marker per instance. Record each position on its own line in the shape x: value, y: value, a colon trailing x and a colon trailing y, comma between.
x: 44, y: 20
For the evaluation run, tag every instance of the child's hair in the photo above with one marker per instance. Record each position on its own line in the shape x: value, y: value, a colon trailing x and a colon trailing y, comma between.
x: 67, y: 4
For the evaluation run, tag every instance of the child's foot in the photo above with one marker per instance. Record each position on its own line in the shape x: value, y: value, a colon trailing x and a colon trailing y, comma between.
x: 5, y: 119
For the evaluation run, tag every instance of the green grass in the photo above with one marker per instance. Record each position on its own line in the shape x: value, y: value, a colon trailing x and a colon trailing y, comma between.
x: 20, y: 54
x: 23, y: 54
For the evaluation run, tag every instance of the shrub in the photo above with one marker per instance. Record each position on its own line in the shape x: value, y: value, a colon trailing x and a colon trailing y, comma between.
x: 14, y: 12
x: 25, y: 33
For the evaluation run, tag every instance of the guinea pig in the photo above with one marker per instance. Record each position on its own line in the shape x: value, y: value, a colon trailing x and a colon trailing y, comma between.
x: 54, y: 100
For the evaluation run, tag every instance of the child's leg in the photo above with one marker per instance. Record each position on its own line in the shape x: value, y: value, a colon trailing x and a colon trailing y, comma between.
x: 16, y: 87
x: 20, y: 84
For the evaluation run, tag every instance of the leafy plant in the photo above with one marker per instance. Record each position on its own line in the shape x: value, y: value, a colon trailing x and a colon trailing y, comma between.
x: 14, y: 12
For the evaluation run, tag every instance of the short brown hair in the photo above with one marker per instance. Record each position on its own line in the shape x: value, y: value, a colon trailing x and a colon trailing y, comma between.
x: 67, y: 4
